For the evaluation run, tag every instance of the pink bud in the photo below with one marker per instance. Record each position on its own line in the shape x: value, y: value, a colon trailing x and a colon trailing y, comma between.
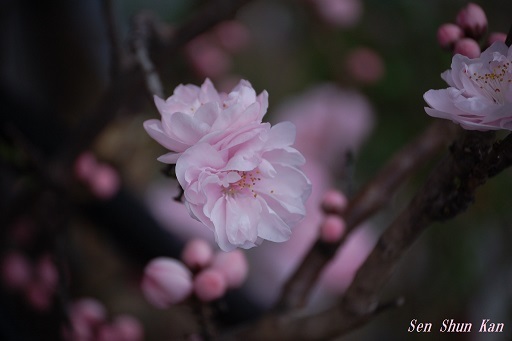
x: 87, y: 311
x: 39, y: 296
x: 332, y: 229
x: 472, y: 20
x: 340, y: 13
x: 197, y: 254
x: 104, y: 182
x: 128, y: 328
x: 47, y: 272
x: 210, y: 284
x: 467, y: 47
x: 496, y: 36
x: 365, y: 65
x: 233, y: 265
x: 448, y: 34
x: 208, y: 59
x: 85, y: 164
x: 166, y: 282
x: 232, y: 35
x: 16, y: 270
x: 107, y: 332
x: 334, y: 201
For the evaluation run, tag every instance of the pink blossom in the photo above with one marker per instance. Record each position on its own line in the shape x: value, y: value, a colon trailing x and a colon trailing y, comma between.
x: 195, y: 113
x: 247, y: 187
x: 479, y: 95
x: 166, y: 282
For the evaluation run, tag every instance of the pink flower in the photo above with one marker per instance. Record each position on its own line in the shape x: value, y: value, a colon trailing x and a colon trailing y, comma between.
x: 194, y: 113
x: 248, y: 186
x: 480, y: 95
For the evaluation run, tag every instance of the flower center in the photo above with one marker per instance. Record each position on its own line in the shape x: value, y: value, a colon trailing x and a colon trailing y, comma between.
x: 241, y: 182
x: 494, y: 83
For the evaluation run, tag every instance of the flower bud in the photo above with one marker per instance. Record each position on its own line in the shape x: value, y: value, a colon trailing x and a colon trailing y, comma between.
x: 467, y: 47
x: 166, y: 282
x: 448, y: 34
x: 87, y: 311
x: 472, y: 20
x: 84, y: 165
x: 210, y: 284
x: 47, y: 273
x: 332, y: 229
x: 197, y: 254
x: 365, y: 65
x: 16, y: 270
x: 104, y: 182
x: 128, y: 328
x: 334, y: 201
x: 233, y: 265
x: 496, y: 36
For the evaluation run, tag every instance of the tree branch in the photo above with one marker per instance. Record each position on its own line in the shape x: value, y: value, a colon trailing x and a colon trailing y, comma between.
x: 368, y: 201
x: 126, y: 86
x: 447, y: 192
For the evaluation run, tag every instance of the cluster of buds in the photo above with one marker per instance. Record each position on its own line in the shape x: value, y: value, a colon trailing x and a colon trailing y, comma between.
x: 88, y: 320
x: 35, y: 280
x: 333, y: 226
x: 201, y: 272
x: 463, y: 36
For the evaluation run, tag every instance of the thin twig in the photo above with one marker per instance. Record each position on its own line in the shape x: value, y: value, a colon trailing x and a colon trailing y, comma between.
x: 116, y: 54
x: 143, y: 30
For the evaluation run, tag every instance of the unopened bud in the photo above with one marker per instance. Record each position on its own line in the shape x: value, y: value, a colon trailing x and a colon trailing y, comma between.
x: 332, y: 229
x: 467, y: 47
x: 197, y: 254
x: 210, y: 284
x: 448, y: 34
x: 472, y: 20
x: 233, y: 266
x: 166, y: 282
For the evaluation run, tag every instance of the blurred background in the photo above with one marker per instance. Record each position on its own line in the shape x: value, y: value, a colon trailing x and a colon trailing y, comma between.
x: 367, y: 65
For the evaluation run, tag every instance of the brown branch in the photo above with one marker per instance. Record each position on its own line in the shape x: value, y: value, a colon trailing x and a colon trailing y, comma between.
x: 369, y: 200
x: 447, y: 192
x: 144, y: 25
x: 116, y: 53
